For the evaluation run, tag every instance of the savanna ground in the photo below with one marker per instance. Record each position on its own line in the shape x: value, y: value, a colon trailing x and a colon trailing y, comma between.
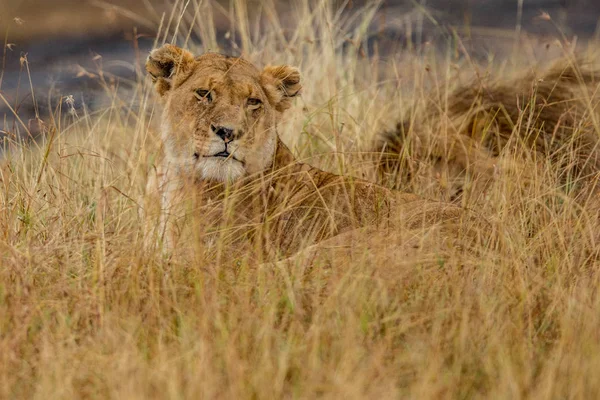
x: 88, y: 311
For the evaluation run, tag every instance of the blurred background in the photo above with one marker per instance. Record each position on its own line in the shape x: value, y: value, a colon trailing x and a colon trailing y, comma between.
x: 77, y: 48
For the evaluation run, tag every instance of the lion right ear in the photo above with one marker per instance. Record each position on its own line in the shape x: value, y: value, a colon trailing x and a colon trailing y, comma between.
x: 169, y: 65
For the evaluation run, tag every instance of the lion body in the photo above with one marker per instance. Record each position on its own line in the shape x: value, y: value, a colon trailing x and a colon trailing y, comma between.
x: 288, y: 207
x: 544, y: 117
x: 227, y: 175
x: 227, y: 178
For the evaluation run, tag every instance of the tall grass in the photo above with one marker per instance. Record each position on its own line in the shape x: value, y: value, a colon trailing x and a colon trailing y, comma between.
x: 87, y: 311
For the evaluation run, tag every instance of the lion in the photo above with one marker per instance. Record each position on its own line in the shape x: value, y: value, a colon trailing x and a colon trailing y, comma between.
x: 548, y: 116
x: 227, y: 175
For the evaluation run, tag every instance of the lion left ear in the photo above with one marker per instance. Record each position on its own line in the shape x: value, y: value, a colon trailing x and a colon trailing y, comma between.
x: 282, y: 83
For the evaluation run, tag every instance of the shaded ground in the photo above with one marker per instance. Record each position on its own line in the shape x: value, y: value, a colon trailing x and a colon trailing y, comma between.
x: 66, y: 41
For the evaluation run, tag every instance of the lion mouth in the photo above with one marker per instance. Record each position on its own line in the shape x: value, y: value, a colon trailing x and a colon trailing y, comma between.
x: 222, y: 154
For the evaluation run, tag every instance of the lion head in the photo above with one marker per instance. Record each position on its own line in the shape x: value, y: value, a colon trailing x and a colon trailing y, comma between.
x: 219, y: 113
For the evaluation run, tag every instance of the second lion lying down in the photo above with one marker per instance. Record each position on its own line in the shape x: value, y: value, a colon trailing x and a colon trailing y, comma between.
x: 226, y: 173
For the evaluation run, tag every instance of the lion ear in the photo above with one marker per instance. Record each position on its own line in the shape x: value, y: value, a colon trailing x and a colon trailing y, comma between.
x: 282, y: 83
x: 167, y: 65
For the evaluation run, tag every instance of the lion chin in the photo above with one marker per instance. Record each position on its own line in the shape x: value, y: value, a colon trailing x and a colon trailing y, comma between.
x: 219, y: 169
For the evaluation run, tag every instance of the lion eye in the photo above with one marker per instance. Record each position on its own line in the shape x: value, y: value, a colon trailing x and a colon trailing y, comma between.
x: 254, y: 103
x: 202, y: 94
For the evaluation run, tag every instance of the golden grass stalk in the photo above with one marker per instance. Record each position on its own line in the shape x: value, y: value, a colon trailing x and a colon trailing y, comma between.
x: 87, y: 311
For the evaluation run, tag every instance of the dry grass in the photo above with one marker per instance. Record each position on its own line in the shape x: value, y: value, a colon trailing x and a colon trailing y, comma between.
x: 87, y: 312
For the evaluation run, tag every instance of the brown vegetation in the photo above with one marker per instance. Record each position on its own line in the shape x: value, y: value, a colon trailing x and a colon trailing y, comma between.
x: 88, y: 311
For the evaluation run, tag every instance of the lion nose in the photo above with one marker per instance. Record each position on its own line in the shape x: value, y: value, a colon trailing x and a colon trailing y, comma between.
x: 224, y: 133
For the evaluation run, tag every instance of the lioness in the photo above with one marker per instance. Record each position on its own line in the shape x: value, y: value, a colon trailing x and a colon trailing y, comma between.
x: 227, y: 172
x: 548, y: 115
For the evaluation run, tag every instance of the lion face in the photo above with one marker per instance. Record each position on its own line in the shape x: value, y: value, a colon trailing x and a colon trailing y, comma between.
x: 219, y: 113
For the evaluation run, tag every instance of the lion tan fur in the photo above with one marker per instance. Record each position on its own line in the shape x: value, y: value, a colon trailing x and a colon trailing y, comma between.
x: 541, y: 116
x: 226, y: 173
